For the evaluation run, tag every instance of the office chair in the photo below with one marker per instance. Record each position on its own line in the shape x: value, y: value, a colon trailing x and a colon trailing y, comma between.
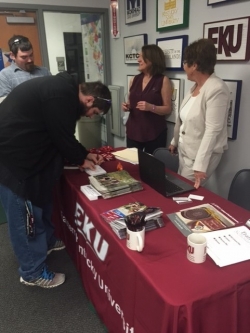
x: 239, y: 191
x: 171, y: 161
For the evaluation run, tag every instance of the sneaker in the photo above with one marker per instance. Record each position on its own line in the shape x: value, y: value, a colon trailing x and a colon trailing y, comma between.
x: 47, y: 279
x: 59, y: 245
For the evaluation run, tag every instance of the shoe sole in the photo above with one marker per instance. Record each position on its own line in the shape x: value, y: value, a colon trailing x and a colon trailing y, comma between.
x: 56, y: 249
x: 31, y: 284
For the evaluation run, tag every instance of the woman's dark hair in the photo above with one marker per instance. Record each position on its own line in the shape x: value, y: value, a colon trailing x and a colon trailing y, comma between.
x: 155, y: 55
x: 202, y: 53
x: 19, y: 42
x: 101, y: 93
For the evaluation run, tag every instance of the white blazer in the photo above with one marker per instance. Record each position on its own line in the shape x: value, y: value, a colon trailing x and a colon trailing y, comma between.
x: 204, y: 131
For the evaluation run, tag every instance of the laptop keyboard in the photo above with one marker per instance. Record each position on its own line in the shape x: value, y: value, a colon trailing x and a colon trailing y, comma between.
x: 171, y: 187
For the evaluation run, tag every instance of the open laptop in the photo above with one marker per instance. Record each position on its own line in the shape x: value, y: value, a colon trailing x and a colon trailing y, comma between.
x: 153, y: 172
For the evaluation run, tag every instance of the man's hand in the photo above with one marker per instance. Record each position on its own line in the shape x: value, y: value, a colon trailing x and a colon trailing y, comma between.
x: 199, y: 177
x: 97, y: 159
x: 87, y: 165
x: 91, y: 161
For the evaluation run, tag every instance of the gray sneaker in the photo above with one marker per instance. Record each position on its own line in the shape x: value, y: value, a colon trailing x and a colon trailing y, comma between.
x: 59, y: 245
x: 47, y: 279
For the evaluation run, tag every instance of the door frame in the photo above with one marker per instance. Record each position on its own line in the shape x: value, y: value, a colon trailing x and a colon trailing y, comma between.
x: 40, y: 9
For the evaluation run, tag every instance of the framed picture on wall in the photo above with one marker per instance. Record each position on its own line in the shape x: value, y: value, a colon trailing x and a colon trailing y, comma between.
x: 234, y: 107
x: 129, y: 77
x: 132, y: 47
x: 173, y: 48
x: 135, y: 11
x: 214, y: 2
x: 172, y: 14
x: 176, y: 99
x: 231, y: 38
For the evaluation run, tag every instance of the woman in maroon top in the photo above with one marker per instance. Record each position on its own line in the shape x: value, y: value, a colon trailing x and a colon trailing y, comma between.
x: 149, y: 102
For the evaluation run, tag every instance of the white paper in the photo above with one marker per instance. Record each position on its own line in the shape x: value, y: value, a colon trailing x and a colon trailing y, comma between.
x: 195, y: 197
x: 98, y: 171
x: 128, y: 155
x: 181, y: 199
x: 228, y: 246
x: 90, y: 192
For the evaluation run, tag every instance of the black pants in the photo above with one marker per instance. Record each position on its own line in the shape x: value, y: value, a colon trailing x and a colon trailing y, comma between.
x: 149, y: 146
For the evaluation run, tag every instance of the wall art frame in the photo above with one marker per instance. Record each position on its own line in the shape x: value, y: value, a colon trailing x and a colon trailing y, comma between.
x: 173, y: 48
x: 132, y: 47
x: 215, y: 2
x: 176, y: 99
x: 135, y: 11
x: 234, y: 87
x: 231, y: 38
x: 172, y: 14
x: 129, y: 77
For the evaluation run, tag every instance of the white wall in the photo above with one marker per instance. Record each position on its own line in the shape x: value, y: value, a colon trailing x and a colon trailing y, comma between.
x: 237, y: 156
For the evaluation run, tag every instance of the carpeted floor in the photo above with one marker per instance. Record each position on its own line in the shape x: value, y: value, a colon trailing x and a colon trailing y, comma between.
x: 64, y: 309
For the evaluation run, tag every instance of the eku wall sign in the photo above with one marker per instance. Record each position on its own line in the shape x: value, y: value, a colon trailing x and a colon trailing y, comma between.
x: 230, y: 37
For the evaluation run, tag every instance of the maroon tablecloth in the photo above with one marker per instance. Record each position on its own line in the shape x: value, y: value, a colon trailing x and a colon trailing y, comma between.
x: 157, y: 290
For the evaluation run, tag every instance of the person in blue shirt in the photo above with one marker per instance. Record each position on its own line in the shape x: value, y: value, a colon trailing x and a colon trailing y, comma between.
x: 22, y: 68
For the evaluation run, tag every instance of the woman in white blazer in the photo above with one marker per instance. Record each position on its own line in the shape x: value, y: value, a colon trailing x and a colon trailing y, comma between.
x: 200, y: 132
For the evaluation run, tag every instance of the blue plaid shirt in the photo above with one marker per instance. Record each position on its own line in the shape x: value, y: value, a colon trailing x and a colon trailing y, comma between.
x: 12, y: 76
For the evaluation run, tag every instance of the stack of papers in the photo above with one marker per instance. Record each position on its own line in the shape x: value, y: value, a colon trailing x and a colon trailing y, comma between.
x: 127, y: 155
x: 228, y: 246
x: 98, y: 171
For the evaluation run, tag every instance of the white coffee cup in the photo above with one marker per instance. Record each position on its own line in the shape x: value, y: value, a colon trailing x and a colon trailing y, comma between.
x: 136, y: 240
x: 196, y: 248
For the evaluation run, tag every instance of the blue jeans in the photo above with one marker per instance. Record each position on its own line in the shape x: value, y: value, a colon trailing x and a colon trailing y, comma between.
x: 31, y: 252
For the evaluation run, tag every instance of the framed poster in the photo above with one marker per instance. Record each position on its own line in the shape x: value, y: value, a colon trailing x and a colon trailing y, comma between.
x: 129, y: 77
x: 173, y: 48
x: 172, y: 14
x: 176, y: 99
x: 234, y: 87
x: 214, y: 2
x: 231, y: 38
x: 92, y: 43
x: 135, y: 11
x: 132, y: 47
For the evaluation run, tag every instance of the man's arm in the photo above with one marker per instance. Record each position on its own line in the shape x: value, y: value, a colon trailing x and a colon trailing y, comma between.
x: 5, y: 88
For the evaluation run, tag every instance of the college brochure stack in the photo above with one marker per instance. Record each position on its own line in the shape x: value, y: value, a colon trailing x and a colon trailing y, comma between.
x: 202, y: 218
x: 116, y: 217
x: 115, y: 183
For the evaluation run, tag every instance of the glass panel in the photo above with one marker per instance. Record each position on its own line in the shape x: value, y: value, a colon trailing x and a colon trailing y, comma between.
x: 56, y: 24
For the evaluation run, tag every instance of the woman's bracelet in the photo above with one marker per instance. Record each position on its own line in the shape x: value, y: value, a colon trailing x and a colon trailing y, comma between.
x: 153, y: 108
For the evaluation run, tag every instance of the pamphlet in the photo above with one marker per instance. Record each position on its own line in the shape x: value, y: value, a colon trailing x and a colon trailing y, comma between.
x: 116, y: 217
x: 229, y: 246
x: 202, y: 218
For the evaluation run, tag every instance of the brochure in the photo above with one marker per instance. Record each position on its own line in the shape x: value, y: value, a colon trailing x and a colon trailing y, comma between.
x: 133, y: 207
x: 229, y: 246
x: 202, y: 218
x: 116, y: 217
